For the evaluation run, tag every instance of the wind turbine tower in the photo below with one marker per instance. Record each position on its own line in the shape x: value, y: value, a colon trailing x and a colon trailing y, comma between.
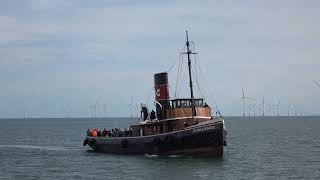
x: 278, y: 108
x: 243, y: 98
x: 263, y: 106
x: 105, y: 110
x: 243, y: 102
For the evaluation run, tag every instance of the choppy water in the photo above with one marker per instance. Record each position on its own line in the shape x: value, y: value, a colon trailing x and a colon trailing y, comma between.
x: 258, y: 148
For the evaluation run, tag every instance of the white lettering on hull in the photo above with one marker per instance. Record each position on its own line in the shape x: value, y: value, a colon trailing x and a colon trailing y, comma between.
x: 202, y: 129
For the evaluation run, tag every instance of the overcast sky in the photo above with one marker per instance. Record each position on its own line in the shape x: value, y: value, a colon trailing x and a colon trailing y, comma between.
x: 58, y: 57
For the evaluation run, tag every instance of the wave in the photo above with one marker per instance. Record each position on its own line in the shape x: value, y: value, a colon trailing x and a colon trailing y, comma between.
x: 48, y: 148
x: 156, y: 156
x: 175, y: 156
x: 151, y: 155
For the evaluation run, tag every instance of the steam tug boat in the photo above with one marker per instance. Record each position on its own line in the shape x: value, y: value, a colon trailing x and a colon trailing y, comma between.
x: 178, y: 127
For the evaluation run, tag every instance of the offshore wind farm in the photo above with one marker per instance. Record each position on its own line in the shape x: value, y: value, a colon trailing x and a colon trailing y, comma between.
x: 252, y: 107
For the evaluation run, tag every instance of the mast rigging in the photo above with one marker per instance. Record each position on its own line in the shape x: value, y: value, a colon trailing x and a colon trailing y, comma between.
x: 190, y: 75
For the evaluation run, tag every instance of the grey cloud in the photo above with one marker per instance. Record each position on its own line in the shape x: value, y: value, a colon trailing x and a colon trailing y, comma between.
x: 270, y: 48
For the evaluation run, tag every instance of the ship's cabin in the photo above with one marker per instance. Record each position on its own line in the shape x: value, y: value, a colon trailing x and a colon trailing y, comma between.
x: 186, y: 103
x: 178, y: 117
x: 182, y: 108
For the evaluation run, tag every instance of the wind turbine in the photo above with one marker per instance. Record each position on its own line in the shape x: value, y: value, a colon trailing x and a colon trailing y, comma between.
x: 105, y: 110
x: 243, y: 102
x: 278, y: 106
x: 292, y: 107
x: 243, y: 97
x: 275, y: 108
x: 131, y: 106
x: 252, y: 108
x: 263, y: 106
x: 95, y: 109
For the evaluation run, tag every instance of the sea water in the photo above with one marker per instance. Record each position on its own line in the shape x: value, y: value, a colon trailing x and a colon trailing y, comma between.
x: 257, y: 148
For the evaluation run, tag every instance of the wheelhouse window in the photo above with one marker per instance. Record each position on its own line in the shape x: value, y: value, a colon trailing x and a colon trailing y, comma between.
x: 186, y: 103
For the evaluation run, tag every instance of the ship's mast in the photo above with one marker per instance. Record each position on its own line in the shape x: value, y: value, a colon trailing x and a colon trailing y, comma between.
x: 190, y: 77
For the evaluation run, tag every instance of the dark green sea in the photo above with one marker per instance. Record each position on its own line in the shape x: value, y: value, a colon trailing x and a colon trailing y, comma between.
x: 258, y: 148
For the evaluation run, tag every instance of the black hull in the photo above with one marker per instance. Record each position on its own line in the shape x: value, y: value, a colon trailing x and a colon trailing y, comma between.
x: 201, y: 140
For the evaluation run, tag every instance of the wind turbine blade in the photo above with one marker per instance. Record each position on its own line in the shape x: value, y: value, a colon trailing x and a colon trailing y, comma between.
x: 250, y: 98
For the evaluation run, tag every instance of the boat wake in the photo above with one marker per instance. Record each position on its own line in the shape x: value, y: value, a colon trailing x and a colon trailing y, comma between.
x: 151, y: 155
x: 175, y: 156
x: 47, y: 148
x: 156, y: 156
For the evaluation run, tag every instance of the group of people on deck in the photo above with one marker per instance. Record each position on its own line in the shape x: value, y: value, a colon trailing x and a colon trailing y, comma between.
x: 145, y: 115
x: 110, y: 133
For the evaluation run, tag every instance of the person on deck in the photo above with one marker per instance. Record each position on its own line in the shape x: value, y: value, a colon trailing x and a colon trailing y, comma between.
x: 104, y: 132
x: 152, y: 115
x: 144, y: 113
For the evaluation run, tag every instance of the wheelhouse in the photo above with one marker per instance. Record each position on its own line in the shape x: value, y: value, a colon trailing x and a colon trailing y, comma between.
x: 186, y: 103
